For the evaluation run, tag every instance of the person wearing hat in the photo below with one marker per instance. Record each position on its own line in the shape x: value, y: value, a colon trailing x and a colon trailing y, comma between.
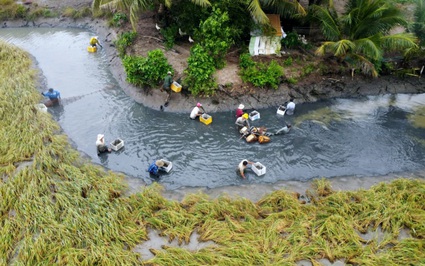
x: 154, y: 168
x: 100, y: 144
x: 242, y: 121
x: 197, y: 111
x: 290, y: 107
x: 168, y: 80
x: 239, y: 111
x: 54, y: 97
x: 242, y: 166
x: 95, y: 41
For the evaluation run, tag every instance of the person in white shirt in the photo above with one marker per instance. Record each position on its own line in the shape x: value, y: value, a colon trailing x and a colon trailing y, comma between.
x: 100, y: 144
x: 242, y: 121
x: 290, y: 107
x: 197, y: 111
x: 242, y: 166
x: 284, y: 129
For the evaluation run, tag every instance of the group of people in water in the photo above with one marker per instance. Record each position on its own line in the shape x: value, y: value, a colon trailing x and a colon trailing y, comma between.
x: 246, y: 130
x: 242, y: 122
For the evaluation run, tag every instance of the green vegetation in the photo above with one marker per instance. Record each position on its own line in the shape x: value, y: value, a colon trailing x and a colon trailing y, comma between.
x: 260, y: 74
x: 58, y: 209
x: 118, y: 20
x: 209, y: 53
x: 125, y: 40
x: 146, y: 71
x: 362, y: 34
x: 77, y: 13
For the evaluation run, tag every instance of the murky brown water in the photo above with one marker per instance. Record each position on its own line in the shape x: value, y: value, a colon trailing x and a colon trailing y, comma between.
x: 371, y: 136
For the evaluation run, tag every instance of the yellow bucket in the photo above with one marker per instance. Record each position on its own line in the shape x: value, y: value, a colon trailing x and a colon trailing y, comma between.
x: 92, y: 49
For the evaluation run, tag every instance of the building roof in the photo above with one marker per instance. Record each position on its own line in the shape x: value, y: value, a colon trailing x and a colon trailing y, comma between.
x: 275, y: 22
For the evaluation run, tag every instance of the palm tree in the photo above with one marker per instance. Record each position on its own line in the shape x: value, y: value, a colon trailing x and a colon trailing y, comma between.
x: 286, y: 8
x: 362, y: 34
x: 135, y: 7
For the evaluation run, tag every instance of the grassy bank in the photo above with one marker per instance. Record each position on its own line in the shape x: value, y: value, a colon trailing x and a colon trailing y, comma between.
x: 58, y: 209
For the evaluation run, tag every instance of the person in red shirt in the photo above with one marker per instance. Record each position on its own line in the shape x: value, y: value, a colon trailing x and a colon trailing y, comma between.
x: 239, y: 111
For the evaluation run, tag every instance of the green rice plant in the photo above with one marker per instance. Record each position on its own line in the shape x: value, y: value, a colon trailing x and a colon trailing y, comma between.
x: 58, y: 209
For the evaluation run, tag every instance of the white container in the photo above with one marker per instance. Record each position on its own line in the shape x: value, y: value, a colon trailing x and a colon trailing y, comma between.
x: 243, y: 130
x: 41, y: 107
x: 258, y: 168
x: 167, y: 166
x: 281, y: 110
x: 117, y: 144
x: 254, y: 115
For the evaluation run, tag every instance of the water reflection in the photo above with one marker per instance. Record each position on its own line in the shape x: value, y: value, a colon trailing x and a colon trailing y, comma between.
x: 368, y: 136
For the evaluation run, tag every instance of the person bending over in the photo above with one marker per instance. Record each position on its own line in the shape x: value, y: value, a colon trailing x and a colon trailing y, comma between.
x: 243, y: 121
x: 197, y: 111
x: 95, y: 41
x: 100, y: 144
x: 154, y: 168
x: 242, y: 166
x: 54, y: 97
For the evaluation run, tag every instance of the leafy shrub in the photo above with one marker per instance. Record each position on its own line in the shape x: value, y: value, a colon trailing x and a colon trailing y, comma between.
x: 245, y: 60
x: 209, y: 53
x: 146, y: 71
x: 215, y: 36
x: 308, y: 69
x: 292, y: 80
x: 288, y: 61
x: 169, y: 35
x: 200, y: 72
x: 125, y: 40
x: 118, y: 20
x: 260, y: 74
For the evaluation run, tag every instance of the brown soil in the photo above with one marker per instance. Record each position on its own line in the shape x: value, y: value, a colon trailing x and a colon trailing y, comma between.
x: 320, y: 84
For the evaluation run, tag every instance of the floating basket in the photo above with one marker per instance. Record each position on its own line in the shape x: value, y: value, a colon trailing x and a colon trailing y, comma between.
x: 206, y: 119
x: 254, y: 115
x: 41, y: 107
x: 91, y: 49
x: 167, y: 166
x: 281, y: 110
x: 258, y: 168
x: 117, y: 144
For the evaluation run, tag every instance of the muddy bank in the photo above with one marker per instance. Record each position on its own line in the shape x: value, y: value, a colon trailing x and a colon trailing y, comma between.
x: 314, y: 90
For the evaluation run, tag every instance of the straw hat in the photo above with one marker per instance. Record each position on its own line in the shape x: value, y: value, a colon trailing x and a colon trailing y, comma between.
x: 169, y: 72
x: 241, y: 106
x: 159, y: 163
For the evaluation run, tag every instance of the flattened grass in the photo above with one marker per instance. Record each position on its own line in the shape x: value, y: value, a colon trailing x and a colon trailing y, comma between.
x: 57, y: 209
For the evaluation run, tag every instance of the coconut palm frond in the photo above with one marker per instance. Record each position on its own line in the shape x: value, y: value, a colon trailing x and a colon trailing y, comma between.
x: 324, y: 48
x: 257, y: 12
x: 342, y: 47
x: 97, y: 4
x: 361, y: 62
x: 399, y: 42
x: 285, y: 8
x: 369, y: 48
x: 328, y: 24
x: 372, y: 17
x: 201, y: 3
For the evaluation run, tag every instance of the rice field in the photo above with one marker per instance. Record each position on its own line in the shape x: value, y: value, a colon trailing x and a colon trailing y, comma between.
x: 58, y: 209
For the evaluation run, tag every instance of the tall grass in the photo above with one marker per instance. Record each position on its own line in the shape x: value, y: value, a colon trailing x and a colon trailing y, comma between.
x: 57, y: 209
